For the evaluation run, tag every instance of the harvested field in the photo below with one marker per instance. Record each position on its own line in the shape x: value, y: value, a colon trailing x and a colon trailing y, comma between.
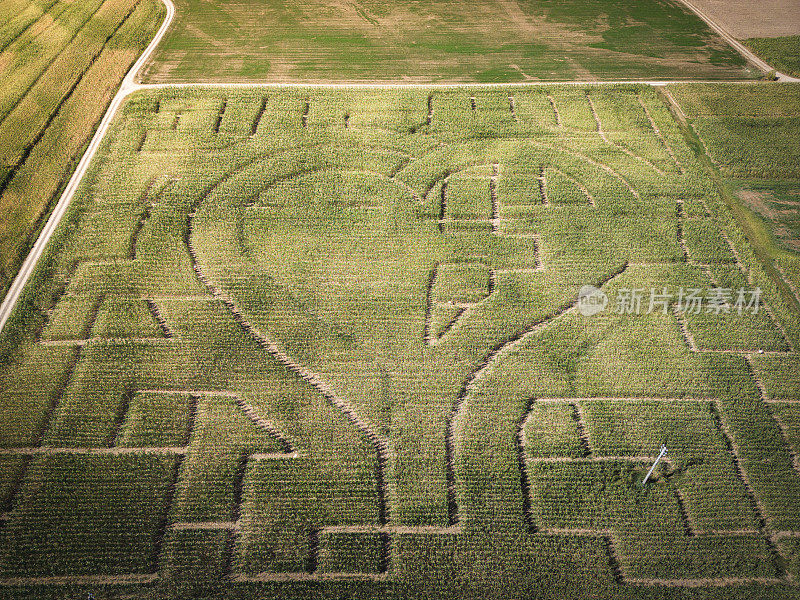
x: 745, y: 19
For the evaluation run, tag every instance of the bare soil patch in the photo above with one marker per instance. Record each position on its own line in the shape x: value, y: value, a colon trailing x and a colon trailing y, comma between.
x: 747, y: 19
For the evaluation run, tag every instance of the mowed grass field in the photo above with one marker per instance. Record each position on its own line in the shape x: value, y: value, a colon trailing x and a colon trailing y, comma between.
x: 61, y: 62
x: 325, y: 343
x: 482, y: 41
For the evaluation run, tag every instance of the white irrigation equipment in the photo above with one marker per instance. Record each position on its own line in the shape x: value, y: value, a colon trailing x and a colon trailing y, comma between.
x: 658, y: 458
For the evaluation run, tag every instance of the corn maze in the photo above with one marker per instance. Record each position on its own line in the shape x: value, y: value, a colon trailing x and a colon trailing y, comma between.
x: 303, y: 341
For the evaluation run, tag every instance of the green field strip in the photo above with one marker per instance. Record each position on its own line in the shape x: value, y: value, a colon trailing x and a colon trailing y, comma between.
x: 19, y: 15
x: 33, y: 186
x: 53, y: 89
x: 430, y: 44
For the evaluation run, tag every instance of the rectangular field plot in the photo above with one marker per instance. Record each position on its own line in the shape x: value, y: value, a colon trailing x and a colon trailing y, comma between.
x: 158, y: 419
x: 714, y: 499
x: 741, y: 332
x: 86, y: 515
x: 196, y: 559
x: 286, y: 502
x: 748, y: 135
x: 552, y: 429
x: 329, y: 343
x: 780, y: 376
x: 351, y: 552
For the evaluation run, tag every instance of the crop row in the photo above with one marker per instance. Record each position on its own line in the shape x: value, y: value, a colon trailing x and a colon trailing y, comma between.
x: 86, y: 515
x: 73, y: 79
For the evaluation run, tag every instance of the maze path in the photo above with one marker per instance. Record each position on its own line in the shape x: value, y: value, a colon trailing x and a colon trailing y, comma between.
x: 690, y: 529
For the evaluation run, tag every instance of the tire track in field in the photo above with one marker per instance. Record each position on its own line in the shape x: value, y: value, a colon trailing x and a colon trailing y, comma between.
x: 478, y: 372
